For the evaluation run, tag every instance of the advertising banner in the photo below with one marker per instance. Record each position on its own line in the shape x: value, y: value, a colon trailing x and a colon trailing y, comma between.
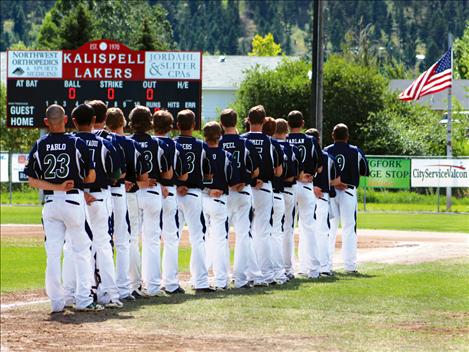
x: 387, y: 173
x: 18, y: 162
x: 440, y: 173
x: 4, y: 167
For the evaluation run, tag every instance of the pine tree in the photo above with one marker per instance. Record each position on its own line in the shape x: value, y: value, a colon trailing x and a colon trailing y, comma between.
x: 21, y: 26
x: 77, y: 28
x: 146, y: 39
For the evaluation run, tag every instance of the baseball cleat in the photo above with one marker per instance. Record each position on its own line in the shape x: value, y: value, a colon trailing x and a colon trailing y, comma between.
x: 129, y: 298
x: 176, y: 291
x: 326, y: 274
x: 261, y: 284
x: 92, y: 307
x: 221, y: 288
x: 114, y: 304
x: 351, y: 272
x: 137, y: 294
x: 246, y: 286
x: 205, y: 290
x: 53, y: 312
x: 158, y: 293
x: 290, y: 276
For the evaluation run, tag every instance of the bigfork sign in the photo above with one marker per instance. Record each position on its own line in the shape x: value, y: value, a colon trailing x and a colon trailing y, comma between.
x: 104, y: 70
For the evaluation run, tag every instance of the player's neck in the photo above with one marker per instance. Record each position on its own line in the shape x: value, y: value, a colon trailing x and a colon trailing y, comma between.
x: 230, y: 130
x: 119, y: 131
x: 212, y: 144
x: 295, y: 130
x: 340, y: 141
x: 187, y: 133
x: 99, y: 126
x: 255, y: 128
x: 280, y: 137
x: 85, y: 128
x: 56, y: 129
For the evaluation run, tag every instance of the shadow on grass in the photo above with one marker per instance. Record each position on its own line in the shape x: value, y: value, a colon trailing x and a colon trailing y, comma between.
x: 73, y: 317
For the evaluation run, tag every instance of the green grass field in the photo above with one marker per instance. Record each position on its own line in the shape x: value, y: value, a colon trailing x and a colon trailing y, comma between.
x: 385, y: 221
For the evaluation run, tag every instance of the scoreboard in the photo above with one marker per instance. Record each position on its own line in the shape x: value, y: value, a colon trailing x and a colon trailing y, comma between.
x: 104, y: 70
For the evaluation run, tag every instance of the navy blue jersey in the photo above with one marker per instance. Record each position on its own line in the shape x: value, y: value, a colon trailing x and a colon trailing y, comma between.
x: 351, y: 162
x: 291, y: 165
x: 58, y: 157
x: 309, y: 150
x: 105, y: 158
x: 153, y: 151
x: 330, y: 171
x: 196, y: 159
x: 244, y: 154
x: 269, y: 158
x: 111, y: 138
x: 175, y: 156
x: 223, y: 171
x: 135, y: 164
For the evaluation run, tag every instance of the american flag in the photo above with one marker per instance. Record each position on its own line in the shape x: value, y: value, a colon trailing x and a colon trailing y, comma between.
x: 437, y: 78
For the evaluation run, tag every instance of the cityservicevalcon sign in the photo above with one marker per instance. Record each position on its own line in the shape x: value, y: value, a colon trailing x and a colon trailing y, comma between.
x: 440, y: 173
x: 387, y: 173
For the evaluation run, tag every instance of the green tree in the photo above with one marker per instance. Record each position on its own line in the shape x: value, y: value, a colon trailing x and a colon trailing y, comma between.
x: 146, y: 39
x: 48, y: 35
x: 461, y: 54
x: 77, y: 28
x: 265, y: 46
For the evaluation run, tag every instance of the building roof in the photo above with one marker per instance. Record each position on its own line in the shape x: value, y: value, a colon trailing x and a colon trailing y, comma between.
x: 438, y: 101
x: 226, y: 72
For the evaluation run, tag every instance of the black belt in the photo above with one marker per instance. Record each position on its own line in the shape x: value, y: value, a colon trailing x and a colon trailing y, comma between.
x: 73, y: 191
x: 96, y: 190
x: 351, y: 187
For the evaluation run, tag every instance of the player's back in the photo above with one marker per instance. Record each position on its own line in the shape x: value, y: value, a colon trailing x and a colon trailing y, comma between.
x: 265, y: 152
x: 153, y: 154
x: 57, y: 157
x: 195, y: 153
x: 309, y: 151
x: 291, y: 165
x: 223, y: 172
x: 244, y: 155
x: 176, y: 158
x: 101, y: 155
x: 350, y: 160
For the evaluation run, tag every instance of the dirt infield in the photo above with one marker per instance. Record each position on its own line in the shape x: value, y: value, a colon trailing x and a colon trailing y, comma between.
x: 25, y: 324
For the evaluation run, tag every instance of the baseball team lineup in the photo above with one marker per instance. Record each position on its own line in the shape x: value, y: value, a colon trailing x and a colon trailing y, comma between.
x: 107, y: 192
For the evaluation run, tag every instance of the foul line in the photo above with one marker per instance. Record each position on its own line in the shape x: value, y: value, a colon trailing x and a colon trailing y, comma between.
x: 8, y: 306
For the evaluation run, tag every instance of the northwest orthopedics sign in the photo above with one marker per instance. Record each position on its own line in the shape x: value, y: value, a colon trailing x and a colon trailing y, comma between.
x: 440, y: 173
x: 387, y: 173
x: 104, y: 70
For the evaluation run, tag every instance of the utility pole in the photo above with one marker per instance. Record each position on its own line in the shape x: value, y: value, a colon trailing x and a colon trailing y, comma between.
x: 316, y: 117
x: 449, y: 147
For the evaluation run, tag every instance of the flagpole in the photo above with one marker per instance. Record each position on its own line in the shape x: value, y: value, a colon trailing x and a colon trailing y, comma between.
x: 449, y: 147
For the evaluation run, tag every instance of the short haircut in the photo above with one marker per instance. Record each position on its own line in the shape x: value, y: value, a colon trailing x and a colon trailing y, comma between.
x: 212, y: 131
x: 83, y: 114
x: 186, y: 119
x: 340, y: 132
x: 163, y: 121
x: 256, y: 115
x: 228, y: 118
x: 281, y: 126
x: 115, y: 119
x: 140, y: 119
x: 313, y: 132
x: 99, y: 110
x: 269, y: 126
x: 295, y: 119
x: 55, y: 113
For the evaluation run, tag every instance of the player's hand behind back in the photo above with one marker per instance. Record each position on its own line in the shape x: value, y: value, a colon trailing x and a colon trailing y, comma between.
x: 215, y: 193
x: 259, y: 184
x: 66, y: 186
x: 182, y: 190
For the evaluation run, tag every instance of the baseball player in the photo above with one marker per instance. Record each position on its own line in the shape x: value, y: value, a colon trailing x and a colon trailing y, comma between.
x: 190, y: 198
x: 99, y: 210
x: 162, y: 124
x: 57, y: 163
x: 278, y: 212
x: 214, y: 198
x: 270, y: 165
x: 324, y: 191
x: 149, y: 202
x: 246, y: 160
x: 286, y: 188
x: 352, y: 164
x: 135, y: 170
x: 311, y: 159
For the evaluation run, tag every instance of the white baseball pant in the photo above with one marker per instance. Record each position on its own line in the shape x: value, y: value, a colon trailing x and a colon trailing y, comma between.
x: 190, y: 212
x: 307, y: 246
x: 239, y: 214
x: 149, y: 202
x: 66, y: 213
x: 322, y: 231
x: 170, y: 234
x: 262, y: 229
x: 135, y: 218
x: 278, y: 222
x: 121, y: 239
x: 216, y: 217
x: 289, y: 229
x: 344, y: 206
